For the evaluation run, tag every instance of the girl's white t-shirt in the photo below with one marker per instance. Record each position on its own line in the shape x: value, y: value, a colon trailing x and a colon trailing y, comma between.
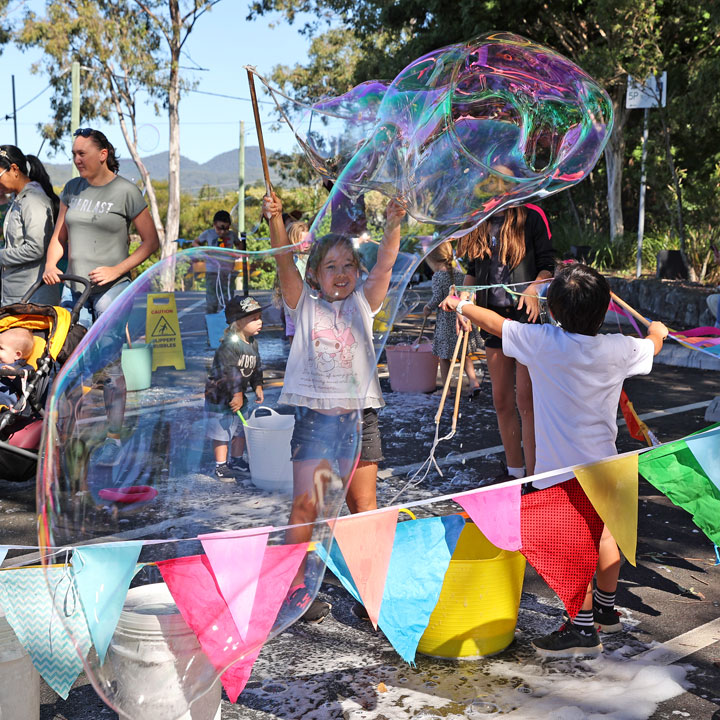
x: 332, y: 359
x: 576, y: 384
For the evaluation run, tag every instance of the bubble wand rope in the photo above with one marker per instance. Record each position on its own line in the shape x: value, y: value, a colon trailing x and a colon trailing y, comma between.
x: 424, y: 469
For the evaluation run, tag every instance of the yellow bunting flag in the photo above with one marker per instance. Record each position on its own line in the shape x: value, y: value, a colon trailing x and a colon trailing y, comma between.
x: 162, y: 329
x: 612, y: 488
x: 366, y: 542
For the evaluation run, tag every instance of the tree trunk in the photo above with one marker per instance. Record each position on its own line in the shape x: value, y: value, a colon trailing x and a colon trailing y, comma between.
x: 147, y: 180
x: 614, y: 159
x: 172, y: 221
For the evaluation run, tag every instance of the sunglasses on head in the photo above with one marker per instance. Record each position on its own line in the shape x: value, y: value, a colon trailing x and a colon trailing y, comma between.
x: 83, y: 132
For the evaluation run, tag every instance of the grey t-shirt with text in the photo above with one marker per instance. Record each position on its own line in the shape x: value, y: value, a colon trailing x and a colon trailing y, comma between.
x: 98, y: 222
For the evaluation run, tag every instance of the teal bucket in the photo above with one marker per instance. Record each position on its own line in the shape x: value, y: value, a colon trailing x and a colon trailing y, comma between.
x: 136, y: 365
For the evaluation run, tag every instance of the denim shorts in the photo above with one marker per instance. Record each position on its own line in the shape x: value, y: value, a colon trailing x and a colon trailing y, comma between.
x: 95, y: 305
x: 318, y: 436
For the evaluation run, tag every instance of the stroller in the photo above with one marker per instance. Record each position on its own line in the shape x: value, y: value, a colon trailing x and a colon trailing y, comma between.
x: 57, y: 333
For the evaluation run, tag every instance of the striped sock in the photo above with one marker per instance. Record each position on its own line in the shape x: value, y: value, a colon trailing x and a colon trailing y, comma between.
x: 584, y: 622
x: 604, y: 600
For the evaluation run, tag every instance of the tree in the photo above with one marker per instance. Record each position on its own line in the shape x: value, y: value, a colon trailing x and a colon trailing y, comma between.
x: 608, y: 38
x: 124, y: 48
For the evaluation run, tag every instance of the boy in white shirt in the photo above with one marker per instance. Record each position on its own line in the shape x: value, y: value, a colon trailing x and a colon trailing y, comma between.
x: 577, y: 376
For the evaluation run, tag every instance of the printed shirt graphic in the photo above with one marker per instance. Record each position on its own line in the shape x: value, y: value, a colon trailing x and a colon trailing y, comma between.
x: 98, y: 220
x: 332, y: 359
x: 236, y: 368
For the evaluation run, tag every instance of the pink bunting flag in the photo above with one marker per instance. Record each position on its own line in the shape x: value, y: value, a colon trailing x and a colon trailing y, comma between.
x: 366, y: 542
x: 496, y: 512
x: 199, y: 600
x: 236, y: 559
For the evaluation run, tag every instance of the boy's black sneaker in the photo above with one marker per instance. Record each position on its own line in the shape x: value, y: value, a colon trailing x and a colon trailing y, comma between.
x: 607, y: 620
x: 238, y: 464
x: 568, y: 641
x: 224, y: 473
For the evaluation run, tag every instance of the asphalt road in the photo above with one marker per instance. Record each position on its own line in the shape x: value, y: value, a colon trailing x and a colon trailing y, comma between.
x: 343, y: 669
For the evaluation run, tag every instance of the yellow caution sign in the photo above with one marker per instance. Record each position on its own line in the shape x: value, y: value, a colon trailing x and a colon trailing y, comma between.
x: 162, y: 329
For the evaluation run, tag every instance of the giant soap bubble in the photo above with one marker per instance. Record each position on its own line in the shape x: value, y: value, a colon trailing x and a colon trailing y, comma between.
x: 159, y: 486
x: 460, y: 133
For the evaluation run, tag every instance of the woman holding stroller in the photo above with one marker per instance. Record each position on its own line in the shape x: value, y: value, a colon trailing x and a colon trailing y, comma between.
x: 93, y: 224
x: 28, y: 226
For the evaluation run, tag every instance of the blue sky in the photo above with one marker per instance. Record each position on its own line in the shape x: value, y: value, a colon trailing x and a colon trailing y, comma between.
x: 222, y: 41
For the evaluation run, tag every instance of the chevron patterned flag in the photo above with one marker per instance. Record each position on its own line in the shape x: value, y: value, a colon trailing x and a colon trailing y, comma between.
x: 27, y: 597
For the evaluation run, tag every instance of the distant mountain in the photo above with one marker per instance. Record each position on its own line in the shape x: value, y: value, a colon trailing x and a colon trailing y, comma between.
x: 220, y: 171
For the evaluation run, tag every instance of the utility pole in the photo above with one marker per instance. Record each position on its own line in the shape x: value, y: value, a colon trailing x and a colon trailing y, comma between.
x: 75, y: 107
x: 241, y: 209
x: 14, y: 111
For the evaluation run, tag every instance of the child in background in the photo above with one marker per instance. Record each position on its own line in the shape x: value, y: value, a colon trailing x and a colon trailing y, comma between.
x: 331, y: 372
x: 577, y: 377
x: 445, y: 275
x: 16, y: 346
x: 235, y: 370
x: 297, y: 235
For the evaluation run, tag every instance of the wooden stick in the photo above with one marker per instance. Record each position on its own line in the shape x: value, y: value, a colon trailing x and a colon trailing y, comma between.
x: 631, y: 310
x: 422, y: 330
x: 448, y: 379
x: 258, y: 127
x: 463, y: 355
x: 127, y: 335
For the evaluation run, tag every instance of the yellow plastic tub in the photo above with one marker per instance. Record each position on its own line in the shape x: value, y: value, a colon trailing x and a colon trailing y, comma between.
x: 477, y: 611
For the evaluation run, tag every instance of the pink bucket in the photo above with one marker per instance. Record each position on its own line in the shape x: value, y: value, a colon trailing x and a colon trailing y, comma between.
x: 412, y: 368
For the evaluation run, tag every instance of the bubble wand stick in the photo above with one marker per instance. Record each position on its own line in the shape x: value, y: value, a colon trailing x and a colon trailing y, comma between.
x: 258, y: 127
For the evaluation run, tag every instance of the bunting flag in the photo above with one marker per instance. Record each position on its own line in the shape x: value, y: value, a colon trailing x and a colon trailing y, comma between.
x: 612, y: 488
x: 366, y: 543
x: 420, y: 556
x: 191, y: 578
x: 102, y: 576
x: 496, y: 512
x: 706, y: 449
x: 27, y: 596
x: 236, y: 558
x: 560, y: 538
x: 675, y: 471
x: 3, y: 553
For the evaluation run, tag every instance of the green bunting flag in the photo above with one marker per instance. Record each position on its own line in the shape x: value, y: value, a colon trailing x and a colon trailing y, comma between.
x: 675, y: 471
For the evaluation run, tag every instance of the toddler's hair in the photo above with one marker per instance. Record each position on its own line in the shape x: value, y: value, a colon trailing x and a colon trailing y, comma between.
x: 442, y: 256
x: 578, y: 298
x: 321, y: 248
x: 296, y: 231
x: 23, y: 340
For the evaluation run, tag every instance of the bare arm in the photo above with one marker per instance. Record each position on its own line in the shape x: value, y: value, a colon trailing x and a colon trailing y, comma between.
x: 56, y: 248
x: 529, y: 299
x: 657, y: 332
x: 291, y: 282
x: 482, y: 317
x: 378, y: 281
x: 148, y: 245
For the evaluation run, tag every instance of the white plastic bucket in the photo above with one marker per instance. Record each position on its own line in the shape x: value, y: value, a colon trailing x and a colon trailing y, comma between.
x: 19, y: 680
x: 157, y: 662
x: 136, y: 363
x: 268, y: 445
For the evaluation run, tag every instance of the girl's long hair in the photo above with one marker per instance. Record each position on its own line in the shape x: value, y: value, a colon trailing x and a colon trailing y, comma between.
x: 30, y: 166
x: 442, y: 256
x: 476, y: 244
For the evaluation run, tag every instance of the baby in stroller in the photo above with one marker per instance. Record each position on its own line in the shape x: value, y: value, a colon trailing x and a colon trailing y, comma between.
x: 34, y: 341
x: 16, y: 346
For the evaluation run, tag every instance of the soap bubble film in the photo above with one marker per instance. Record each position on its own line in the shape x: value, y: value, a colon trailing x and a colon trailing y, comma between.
x: 128, y: 449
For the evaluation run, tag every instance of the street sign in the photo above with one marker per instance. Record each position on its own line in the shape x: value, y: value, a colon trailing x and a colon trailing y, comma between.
x: 650, y: 94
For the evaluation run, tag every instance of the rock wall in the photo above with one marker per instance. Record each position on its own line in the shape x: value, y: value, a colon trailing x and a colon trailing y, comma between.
x: 679, y: 304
